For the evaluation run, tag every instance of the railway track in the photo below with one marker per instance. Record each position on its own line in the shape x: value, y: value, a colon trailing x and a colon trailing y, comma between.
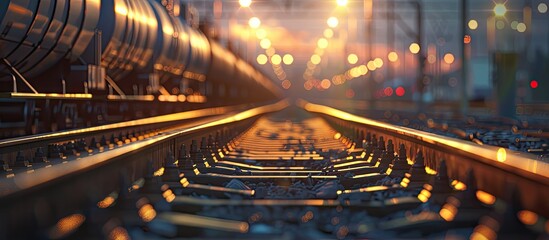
x: 278, y: 171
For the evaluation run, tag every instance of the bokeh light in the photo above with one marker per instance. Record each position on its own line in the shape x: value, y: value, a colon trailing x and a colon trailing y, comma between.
x: 352, y: 58
x: 414, y: 48
x: 400, y: 91
x: 265, y: 43
x: 521, y: 27
x: 449, y: 58
x: 254, y: 22
x: 315, y: 59
x: 325, y: 83
x: 371, y: 66
x: 328, y: 33
x: 332, y: 22
x: 514, y: 25
x: 245, y: 3
x: 500, y: 24
x: 388, y: 91
x: 262, y: 59
x: 473, y: 24
x: 431, y: 58
x: 286, y: 84
x: 322, y: 43
x: 467, y: 39
x: 341, y: 3
x: 270, y: 51
x: 542, y: 8
x: 276, y: 59
x: 288, y: 59
x: 378, y: 62
x: 500, y: 10
x: 534, y: 84
x: 392, y: 56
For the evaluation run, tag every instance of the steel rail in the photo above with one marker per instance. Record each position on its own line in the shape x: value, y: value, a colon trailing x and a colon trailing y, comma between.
x: 21, y: 183
x: 26, y: 142
x: 496, y: 169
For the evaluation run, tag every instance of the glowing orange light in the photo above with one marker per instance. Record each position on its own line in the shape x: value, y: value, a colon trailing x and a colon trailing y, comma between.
x: 322, y: 43
x: 392, y: 56
x: 276, y: 59
x: 362, y: 69
x: 286, y: 84
x: 119, y: 233
x: 378, y: 62
x: 449, y: 58
x: 325, y: 83
x: 107, y: 201
x: 288, y: 59
x: 315, y: 59
x: 501, y: 155
x: 485, y: 197
x: 262, y: 59
x: 414, y: 48
x: 308, y: 85
x: 67, y: 225
x: 467, y: 39
x: 371, y: 66
x: 147, y: 212
x: 527, y: 217
x: 352, y: 58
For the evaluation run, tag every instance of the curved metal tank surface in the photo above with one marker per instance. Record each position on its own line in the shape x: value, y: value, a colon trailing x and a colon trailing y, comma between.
x: 200, y: 54
x: 222, y: 67
x: 129, y: 35
x: 16, y: 22
x: 51, y: 36
x: 37, y: 34
x: 64, y: 42
x: 171, y: 50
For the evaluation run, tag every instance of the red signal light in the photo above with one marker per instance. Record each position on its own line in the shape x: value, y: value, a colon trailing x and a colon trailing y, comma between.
x: 534, y: 84
x: 400, y: 91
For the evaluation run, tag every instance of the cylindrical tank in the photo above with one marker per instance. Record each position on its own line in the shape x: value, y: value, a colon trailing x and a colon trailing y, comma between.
x: 222, y: 66
x: 129, y: 31
x: 171, y: 49
x: 200, y: 54
x: 37, y: 34
x: 56, y: 29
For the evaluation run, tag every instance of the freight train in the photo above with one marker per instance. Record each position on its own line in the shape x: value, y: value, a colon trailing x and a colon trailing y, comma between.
x: 73, y: 63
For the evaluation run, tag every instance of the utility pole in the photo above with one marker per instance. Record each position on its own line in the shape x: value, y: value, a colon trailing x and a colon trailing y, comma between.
x: 464, y: 99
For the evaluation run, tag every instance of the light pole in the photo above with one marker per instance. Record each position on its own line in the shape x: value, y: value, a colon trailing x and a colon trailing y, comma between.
x: 505, y: 65
x: 464, y: 99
